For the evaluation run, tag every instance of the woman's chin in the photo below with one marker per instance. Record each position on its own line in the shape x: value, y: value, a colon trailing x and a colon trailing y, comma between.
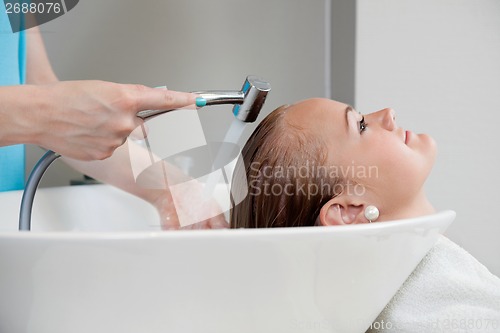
x: 425, y: 146
x: 428, y: 145
x: 432, y: 146
x: 430, y: 149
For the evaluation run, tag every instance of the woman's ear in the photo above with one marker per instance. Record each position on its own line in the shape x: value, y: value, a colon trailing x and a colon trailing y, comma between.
x: 335, y: 212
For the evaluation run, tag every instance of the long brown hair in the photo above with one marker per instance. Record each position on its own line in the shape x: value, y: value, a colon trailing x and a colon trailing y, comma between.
x: 283, y: 177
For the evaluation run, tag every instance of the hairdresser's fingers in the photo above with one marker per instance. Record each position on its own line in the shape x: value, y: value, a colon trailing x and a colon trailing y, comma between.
x: 169, y: 219
x: 160, y: 98
x: 218, y: 222
x: 170, y: 224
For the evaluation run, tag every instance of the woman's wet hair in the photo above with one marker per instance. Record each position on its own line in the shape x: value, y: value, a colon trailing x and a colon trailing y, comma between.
x: 284, y: 179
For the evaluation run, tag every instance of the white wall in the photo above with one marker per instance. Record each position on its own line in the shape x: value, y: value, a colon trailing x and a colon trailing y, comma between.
x: 191, y: 45
x: 436, y: 62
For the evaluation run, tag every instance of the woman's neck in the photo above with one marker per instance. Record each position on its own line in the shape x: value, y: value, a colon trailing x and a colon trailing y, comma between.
x: 419, y: 206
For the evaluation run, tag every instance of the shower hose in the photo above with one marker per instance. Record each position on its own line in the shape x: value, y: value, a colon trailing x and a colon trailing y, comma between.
x: 30, y: 189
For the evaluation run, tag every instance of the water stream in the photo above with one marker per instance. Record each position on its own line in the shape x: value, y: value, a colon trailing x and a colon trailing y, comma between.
x: 233, y: 135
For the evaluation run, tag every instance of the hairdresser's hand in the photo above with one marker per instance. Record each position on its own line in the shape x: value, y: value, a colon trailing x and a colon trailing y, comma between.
x: 88, y: 120
x: 172, y: 217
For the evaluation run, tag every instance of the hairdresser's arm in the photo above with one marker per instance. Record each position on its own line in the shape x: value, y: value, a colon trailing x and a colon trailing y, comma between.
x: 85, y: 120
x: 152, y: 186
x: 38, y: 68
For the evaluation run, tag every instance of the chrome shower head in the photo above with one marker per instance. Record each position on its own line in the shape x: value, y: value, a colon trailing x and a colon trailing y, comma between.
x: 247, y: 102
x: 255, y: 91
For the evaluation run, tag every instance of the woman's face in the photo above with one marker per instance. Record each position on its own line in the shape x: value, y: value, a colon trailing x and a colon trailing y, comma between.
x: 389, y: 164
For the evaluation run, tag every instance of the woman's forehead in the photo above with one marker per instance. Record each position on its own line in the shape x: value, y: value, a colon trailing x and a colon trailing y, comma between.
x: 312, y: 111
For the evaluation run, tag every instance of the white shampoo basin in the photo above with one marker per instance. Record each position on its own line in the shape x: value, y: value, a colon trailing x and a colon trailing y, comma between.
x: 96, y: 262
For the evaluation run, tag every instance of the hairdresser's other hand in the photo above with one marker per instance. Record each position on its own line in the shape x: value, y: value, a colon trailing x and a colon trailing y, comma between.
x: 171, y: 216
x: 88, y: 120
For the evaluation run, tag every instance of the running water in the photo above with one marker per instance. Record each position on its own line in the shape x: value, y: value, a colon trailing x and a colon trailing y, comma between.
x: 233, y: 135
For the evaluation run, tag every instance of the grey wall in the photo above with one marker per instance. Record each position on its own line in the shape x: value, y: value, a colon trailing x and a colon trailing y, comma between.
x: 436, y: 62
x: 343, y: 50
x: 191, y: 45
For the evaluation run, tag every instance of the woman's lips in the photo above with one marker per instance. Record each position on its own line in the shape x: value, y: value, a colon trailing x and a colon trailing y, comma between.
x: 407, y: 136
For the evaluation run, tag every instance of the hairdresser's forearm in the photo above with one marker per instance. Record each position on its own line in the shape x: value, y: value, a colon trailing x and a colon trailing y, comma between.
x: 19, y: 106
x: 117, y: 171
x: 38, y: 67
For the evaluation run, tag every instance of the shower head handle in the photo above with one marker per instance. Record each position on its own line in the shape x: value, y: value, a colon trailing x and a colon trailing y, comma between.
x: 217, y: 97
x: 247, y: 102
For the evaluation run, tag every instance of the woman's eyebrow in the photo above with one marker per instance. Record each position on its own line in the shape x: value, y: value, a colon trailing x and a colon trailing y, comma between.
x: 347, y: 110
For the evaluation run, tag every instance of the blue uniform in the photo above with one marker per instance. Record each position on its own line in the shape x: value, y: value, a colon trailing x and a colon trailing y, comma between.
x: 12, y: 72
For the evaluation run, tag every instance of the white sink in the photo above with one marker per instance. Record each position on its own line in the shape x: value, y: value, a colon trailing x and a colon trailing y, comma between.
x: 96, y: 262
x: 80, y: 208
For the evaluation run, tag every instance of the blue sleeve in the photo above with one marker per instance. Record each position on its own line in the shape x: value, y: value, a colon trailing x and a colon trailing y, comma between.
x: 12, y: 72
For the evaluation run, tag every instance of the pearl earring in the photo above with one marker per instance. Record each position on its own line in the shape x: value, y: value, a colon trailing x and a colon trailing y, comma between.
x: 371, y: 213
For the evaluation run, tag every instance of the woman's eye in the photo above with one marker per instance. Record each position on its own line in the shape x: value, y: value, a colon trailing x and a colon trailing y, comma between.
x: 362, y: 125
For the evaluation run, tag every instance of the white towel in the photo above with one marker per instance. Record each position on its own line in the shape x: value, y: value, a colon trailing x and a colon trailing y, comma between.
x: 449, y: 291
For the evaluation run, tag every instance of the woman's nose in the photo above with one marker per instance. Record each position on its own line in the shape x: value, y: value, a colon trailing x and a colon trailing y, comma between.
x: 386, y: 118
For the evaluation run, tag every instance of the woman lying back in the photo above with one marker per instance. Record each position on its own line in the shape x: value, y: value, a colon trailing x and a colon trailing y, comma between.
x: 319, y: 162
